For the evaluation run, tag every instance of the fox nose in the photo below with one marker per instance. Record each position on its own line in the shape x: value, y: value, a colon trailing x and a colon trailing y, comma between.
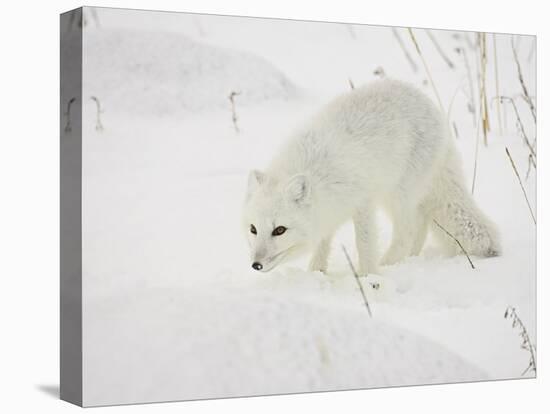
x: 257, y: 266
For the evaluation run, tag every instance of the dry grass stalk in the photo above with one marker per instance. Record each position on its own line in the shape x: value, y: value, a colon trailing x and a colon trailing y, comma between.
x: 496, y: 83
x: 351, y: 85
x: 404, y: 49
x: 99, y: 111
x: 233, y: 110
x: 526, y: 95
x: 455, y: 94
x: 451, y: 102
x: 439, y: 49
x: 454, y: 131
x: 471, y: 101
x: 526, y: 343
x: 483, y: 119
x: 428, y: 73
x: 68, y: 126
x: 365, y: 301
x: 520, y: 125
x: 476, y: 152
x: 457, y: 242
x: 531, y: 162
x: 521, y: 184
x: 482, y: 38
x: 478, y: 70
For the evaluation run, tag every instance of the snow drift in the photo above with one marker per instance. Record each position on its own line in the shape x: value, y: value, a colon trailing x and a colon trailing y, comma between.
x: 162, y: 73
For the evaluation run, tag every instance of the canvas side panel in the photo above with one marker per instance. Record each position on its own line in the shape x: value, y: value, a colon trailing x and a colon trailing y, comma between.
x: 71, y: 206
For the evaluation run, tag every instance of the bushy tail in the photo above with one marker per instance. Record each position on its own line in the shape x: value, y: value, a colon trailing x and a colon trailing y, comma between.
x: 451, y: 205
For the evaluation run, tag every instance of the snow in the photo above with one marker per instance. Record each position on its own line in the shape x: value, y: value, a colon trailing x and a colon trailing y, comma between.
x: 241, y: 341
x: 139, y: 77
x: 172, y: 309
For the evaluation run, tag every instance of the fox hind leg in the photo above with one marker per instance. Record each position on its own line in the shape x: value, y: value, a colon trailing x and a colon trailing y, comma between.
x: 408, y: 233
x: 423, y: 224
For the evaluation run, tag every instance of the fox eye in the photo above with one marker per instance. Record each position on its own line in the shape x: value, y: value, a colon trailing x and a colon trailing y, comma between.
x: 253, y: 229
x: 278, y: 231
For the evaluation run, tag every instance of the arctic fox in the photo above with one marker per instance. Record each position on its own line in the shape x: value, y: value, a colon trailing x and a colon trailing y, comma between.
x: 385, y: 145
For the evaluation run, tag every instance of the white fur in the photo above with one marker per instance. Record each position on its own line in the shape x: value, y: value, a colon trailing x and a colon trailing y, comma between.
x: 385, y: 145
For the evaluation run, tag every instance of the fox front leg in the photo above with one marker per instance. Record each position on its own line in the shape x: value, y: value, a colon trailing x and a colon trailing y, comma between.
x: 365, y: 240
x: 319, y: 260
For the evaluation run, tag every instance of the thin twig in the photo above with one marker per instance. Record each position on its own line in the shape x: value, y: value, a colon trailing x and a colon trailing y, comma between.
x: 496, y: 83
x: 98, y: 124
x: 404, y: 49
x: 233, y: 110
x: 351, y: 85
x: 439, y: 49
x: 526, y: 95
x: 426, y: 68
x: 526, y: 343
x: 530, y: 161
x: 358, y: 282
x: 520, y: 124
x: 457, y: 242
x: 521, y: 184
x: 68, y: 126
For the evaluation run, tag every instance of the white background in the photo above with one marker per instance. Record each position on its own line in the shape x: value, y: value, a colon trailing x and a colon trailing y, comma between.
x: 29, y: 212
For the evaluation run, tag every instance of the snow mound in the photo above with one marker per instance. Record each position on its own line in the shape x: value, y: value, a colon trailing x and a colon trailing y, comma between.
x: 163, y: 73
x: 225, y: 341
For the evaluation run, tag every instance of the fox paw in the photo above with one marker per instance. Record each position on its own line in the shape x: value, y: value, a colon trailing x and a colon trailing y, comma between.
x: 317, y: 267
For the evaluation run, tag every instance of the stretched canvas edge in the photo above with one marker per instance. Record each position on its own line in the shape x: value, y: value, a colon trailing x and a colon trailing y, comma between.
x: 71, y: 389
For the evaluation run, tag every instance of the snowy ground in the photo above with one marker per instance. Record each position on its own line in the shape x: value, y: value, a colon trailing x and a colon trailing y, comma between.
x: 172, y: 309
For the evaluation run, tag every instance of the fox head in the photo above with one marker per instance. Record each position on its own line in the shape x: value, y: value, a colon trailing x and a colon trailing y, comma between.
x: 277, y: 220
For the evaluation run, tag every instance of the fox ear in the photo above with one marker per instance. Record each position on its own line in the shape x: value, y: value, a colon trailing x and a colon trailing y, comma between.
x: 255, y: 180
x: 299, y: 188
